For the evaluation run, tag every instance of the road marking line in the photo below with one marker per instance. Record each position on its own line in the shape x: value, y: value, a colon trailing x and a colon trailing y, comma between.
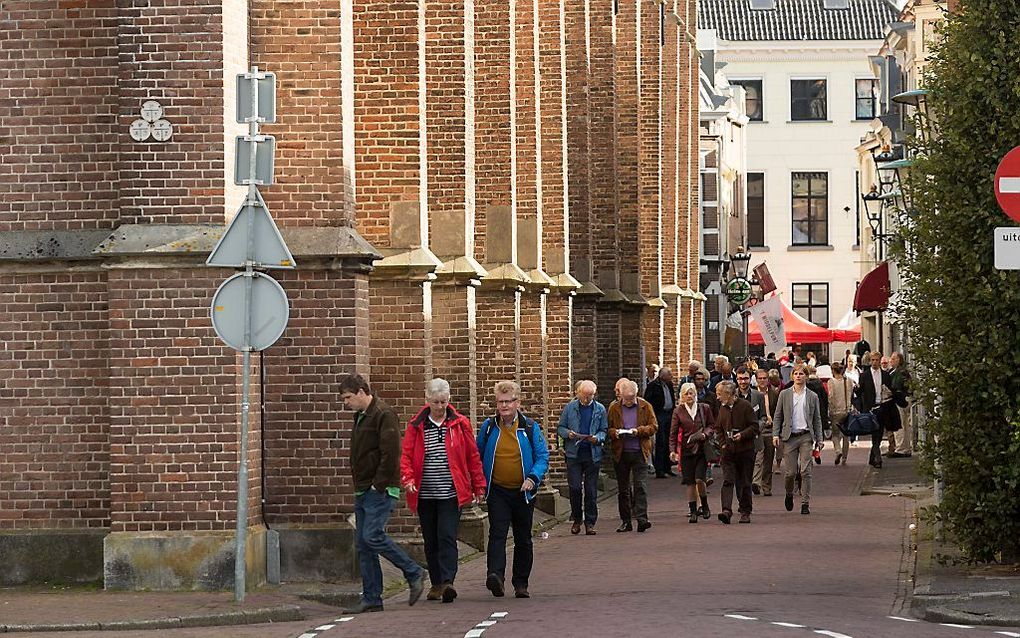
x: 739, y: 617
x: 306, y: 636
x: 949, y: 624
x: 344, y: 619
x: 904, y: 619
x: 831, y: 634
x: 1009, y: 184
x: 324, y: 627
x: 1009, y: 633
x: 485, y: 624
x: 790, y: 625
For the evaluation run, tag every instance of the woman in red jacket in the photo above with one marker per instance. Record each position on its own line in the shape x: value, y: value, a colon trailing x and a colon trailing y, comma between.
x: 441, y: 472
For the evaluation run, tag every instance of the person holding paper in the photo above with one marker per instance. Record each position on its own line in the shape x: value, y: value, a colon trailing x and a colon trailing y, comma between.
x: 583, y: 428
x: 632, y: 428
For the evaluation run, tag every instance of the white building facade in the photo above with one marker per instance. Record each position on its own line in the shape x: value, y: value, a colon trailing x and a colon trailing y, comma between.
x: 811, y: 96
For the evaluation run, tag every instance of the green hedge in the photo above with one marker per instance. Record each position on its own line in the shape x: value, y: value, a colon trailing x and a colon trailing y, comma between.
x: 963, y: 316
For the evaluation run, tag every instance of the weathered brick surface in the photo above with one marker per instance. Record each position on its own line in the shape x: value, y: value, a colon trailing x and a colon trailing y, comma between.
x: 499, y: 343
x: 300, y: 42
x: 174, y: 405
x: 54, y: 391
x: 454, y: 344
x: 308, y: 430
x: 58, y: 115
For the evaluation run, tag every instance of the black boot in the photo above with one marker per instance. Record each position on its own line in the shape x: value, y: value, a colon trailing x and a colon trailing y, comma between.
x: 694, y: 512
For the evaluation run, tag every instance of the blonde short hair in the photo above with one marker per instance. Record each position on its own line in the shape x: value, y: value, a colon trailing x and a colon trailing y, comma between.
x: 688, y: 387
x: 507, y: 387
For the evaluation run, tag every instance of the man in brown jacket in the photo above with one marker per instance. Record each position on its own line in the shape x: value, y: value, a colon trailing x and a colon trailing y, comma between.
x: 632, y: 429
x: 375, y: 466
x: 736, y: 428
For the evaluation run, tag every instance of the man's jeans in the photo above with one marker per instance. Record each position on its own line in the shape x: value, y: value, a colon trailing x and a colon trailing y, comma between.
x: 371, y: 511
x: 583, y: 479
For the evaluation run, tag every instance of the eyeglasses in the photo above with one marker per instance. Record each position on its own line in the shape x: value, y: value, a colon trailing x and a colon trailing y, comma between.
x: 507, y: 401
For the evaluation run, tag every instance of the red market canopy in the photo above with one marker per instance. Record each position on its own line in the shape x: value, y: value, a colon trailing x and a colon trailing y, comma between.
x: 798, y: 329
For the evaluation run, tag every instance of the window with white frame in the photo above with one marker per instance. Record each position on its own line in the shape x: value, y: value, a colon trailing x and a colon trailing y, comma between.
x: 809, y: 100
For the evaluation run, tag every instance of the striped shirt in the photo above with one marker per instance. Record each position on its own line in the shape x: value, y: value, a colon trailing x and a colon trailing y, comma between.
x: 436, y: 481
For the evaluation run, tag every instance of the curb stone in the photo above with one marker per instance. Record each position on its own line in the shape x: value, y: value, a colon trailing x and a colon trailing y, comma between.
x: 281, y: 613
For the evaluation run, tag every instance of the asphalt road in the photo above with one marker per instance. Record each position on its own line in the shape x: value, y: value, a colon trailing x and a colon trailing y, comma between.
x: 841, y: 571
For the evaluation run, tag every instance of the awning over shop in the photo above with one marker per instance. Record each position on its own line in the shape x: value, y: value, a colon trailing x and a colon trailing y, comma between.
x: 873, y: 291
x: 798, y: 329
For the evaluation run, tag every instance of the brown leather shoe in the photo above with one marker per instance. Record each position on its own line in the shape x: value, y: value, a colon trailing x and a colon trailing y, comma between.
x: 589, y: 530
x: 435, y: 593
x: 745, y: 518
x: 575, y: 529
x: 521, y: 592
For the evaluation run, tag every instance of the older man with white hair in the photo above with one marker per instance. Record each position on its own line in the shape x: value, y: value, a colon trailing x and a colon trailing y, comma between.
x: 583, y: 428
x: 632, y: 429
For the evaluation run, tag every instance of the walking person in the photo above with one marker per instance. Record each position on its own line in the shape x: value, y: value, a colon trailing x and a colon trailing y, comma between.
x: 869, y: 397
x: 632, y: 427
x: 902, y: 444
x: 692, y: 424
x: 736, y: 429
x: 661, y: 394
x: 375, y: 468
x: 764, y: 458
x: 515, y: 457
x: 798, y: 424
x: 441, y: 472
x: 583, y: 428
x: 840, y: 392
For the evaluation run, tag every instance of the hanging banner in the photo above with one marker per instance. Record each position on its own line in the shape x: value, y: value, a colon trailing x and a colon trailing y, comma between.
x: 768, y: 315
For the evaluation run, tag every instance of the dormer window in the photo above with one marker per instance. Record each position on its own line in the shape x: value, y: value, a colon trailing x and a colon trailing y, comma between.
x: 763, y: 5
x: 837, y: 4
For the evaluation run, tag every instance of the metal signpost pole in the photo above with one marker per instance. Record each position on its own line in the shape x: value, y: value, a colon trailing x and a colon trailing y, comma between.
x: 240, y: 542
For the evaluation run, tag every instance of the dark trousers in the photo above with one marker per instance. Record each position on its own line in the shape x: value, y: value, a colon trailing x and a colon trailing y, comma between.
x: 738, y: 470
x: 631, y: 476
x: 582, y: 479
x: 876, y: 445
x: 508, y: 509
x: 660, y: 458
x: 439, y: 518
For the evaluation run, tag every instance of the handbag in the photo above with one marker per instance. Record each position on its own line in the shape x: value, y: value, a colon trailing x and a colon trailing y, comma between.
x: 709, y: 447
x: 860, y: 423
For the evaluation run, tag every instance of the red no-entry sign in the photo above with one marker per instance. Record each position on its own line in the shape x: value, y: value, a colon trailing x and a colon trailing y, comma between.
x: 1007, y: 184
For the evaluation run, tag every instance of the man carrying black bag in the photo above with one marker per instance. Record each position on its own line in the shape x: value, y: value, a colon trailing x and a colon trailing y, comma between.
x: 868, y: 396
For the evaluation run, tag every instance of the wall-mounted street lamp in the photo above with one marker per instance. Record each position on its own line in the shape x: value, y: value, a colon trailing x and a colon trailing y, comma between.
x: 918, y: 100
x: 740, y: 262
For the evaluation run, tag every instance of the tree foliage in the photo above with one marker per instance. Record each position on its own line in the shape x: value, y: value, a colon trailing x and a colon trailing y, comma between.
x: 961, y: 314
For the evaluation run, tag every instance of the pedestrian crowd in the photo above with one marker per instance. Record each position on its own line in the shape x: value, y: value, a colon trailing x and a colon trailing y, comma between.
x: 766, y: 416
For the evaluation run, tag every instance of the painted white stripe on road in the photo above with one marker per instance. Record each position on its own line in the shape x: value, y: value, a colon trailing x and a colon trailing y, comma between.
x: 324, y: 627
x: 831, y: 634
x: 344, y: 619
x: 486, y: 623
x: 949, y: 624
x: 499, y: 614
x: 306, y: 636
x: 480, y: 628
x: 1009, y: 633
x: 904, y: 619
x: 1009, y: 184
x: 789, y: 624
x: 739, y: 617
x: 474, y: 633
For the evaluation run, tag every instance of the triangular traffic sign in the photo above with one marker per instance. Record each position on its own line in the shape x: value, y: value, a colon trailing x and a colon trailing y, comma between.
x: 268, y: 248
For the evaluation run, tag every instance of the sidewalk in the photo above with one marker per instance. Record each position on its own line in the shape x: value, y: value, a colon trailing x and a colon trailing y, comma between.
x: 947, y: 593
x: 39, y: 609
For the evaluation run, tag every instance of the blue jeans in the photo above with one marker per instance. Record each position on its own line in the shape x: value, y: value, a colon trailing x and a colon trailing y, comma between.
x: 371, y: 511
x: 582, y: 478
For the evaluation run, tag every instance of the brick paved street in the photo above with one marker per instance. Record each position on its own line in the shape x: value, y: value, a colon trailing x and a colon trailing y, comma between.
x: 835, y: 573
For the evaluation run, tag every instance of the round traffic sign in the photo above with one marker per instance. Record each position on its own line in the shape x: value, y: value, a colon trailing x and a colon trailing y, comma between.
x: 1007, y: 184
x: 269, y: 309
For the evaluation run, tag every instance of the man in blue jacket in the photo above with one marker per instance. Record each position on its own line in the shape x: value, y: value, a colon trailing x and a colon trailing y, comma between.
x: 515, y: 457
x: 583, y: 428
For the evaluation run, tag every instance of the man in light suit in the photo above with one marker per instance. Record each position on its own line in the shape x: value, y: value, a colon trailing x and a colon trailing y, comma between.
x: 869, y: 395
x: 798, y: 424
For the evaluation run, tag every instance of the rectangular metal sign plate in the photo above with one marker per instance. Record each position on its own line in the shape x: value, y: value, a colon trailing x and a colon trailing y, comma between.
x: 263, y: 159
x: 1007, y: 248
x: 267, y: 97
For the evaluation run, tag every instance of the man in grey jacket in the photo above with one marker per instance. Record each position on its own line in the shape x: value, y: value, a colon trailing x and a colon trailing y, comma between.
x: 798, y: 424
x: 583, y: 428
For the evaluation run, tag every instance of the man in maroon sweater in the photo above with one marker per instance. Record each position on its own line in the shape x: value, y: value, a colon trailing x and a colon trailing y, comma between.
x: 736, y: 428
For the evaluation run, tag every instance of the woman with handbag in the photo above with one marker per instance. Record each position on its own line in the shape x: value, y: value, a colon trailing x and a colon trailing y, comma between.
x: 840, y: 391
x: 692, y: 443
